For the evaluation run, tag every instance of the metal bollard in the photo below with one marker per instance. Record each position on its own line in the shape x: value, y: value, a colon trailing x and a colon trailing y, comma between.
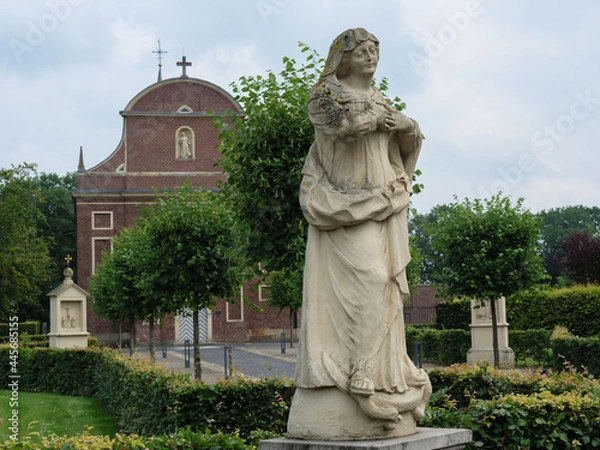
x: 227, y: 360
x: 282, y: 339
x: 164, y: 346
x: 187, y: 353
x: 418, y: 354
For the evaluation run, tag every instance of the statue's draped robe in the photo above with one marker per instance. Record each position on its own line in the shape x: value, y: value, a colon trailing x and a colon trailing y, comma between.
x: 355, y: 194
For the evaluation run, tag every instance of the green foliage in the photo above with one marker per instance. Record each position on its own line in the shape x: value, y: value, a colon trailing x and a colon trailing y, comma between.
x: 450, y: 346
x: 556, y: 225
x: 576, y: 308
x: 190, y: 255
x: 517, y: 410
x: 59, y: 227
x: 440, y: 346
x: 114, y: 285
x: 147, y: 399
x: 583, y: 353
x: 239, y: 406
x: 454, y: 314
x: 264, y: 152
x: 24, y: 252
x: 531, y: 346
x: 285, y: 288
x: 420, y: 227
x: 183, y: 439
x: 24, y: 327
x: 488, y: 248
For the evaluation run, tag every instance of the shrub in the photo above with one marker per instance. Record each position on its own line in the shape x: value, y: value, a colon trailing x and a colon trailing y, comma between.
x: 576, y: 308
x: 453, y: 315
x: 181, y: 440
x: 577, y: 352
x: 148, y: 399
x: 517, y: 410
x: 531, y: 345
x: 30, y: 328
x: 440, y: 346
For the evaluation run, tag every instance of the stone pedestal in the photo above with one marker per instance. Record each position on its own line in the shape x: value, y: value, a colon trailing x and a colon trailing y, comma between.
x: 330, y: 414
x: 423, y: 439
x: 68, y: 319
x: 482, y: 350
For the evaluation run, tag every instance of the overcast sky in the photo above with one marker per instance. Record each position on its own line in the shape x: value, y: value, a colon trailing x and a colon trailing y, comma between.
x: 507, y: 93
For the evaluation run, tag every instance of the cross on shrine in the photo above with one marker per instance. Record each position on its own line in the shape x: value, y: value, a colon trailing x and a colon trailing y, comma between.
x: 68, y: 259
x: 183, y: 64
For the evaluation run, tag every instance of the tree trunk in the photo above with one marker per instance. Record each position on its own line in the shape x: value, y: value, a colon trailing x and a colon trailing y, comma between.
x: 132, y: 337
x: 152, y: 345
x: 197, y: 360
x: 495, y: 333
x: 291, y: 328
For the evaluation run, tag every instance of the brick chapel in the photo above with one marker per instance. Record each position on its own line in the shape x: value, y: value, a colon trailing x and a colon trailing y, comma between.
x: 168, y: 137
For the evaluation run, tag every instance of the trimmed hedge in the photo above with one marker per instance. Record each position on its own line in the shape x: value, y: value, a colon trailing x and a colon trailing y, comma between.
x: 531, y: 346
x: 182, y: 440
x: 453, y: 315
x: 517, y: 410
x: 576, y: 308
x: 148, y: 399
x: 449, y: 347
x: 24, y: 327
x: 577, y: 352
x: 440, y: 346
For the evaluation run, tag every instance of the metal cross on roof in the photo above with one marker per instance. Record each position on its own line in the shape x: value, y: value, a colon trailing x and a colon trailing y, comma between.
x: 68, y: 259
x: 183, y: 63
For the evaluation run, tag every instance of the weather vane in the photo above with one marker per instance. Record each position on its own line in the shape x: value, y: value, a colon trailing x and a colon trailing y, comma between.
x: 160, y: 52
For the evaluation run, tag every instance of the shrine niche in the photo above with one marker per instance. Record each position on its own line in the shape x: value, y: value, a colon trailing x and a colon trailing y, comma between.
x: 184, y: 143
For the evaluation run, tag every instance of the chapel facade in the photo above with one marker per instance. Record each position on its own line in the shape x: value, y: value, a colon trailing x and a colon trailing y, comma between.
x: 168, y: 137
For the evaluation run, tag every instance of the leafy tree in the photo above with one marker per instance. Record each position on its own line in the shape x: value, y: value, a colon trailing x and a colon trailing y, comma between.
x: 285, y: 289
x: 190, y: 260
x: 59, y: 227
x: 556, y: 225
x: 582, y: 257
x: 114, y: 285
x: 24, y: 255
x: 488, y: 249
x: 420, y: 226
x: 264, y: 152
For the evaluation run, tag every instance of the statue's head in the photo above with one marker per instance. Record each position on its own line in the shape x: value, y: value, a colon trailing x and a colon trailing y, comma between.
x: 345, y: 43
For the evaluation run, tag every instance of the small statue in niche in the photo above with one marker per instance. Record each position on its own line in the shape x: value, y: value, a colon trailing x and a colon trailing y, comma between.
x: 185, y: 145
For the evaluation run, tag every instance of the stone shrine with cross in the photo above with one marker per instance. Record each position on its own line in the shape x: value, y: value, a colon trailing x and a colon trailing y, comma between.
x: 68, y: 313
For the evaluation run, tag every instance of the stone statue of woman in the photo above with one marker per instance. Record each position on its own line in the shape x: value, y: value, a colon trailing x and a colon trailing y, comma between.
x: 354, y: 377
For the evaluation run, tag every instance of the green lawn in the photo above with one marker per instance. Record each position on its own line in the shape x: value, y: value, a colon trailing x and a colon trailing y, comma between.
x: 55, y: 414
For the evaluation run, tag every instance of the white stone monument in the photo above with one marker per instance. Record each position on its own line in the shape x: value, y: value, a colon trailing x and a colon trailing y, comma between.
x: 68, y: 316
x: 354, y: 379
x: 482, y: 349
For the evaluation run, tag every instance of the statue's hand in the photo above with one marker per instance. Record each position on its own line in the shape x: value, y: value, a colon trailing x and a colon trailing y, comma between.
x: 395, y: 121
